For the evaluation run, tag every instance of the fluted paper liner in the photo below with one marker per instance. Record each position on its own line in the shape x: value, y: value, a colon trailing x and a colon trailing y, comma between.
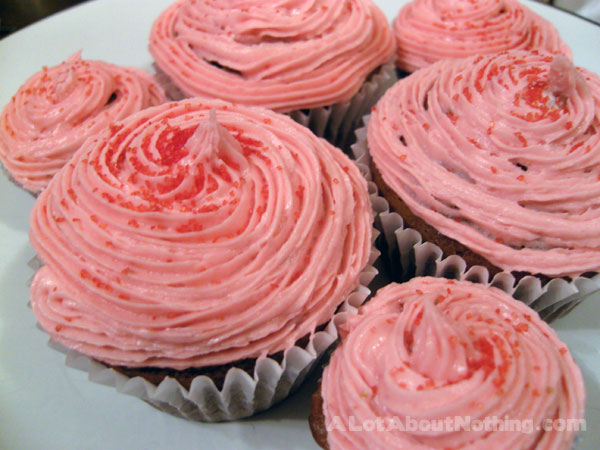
x: 408, y: 256
x: 337, y: 122
x: 242, y: 395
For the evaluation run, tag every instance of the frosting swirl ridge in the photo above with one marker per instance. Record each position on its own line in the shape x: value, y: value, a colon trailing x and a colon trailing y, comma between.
x: 435, y: 349
x: 186, y: 238
x: 429, y: 30
x: 500, y: 153
x: 283, y: 55
x: 56, y: 109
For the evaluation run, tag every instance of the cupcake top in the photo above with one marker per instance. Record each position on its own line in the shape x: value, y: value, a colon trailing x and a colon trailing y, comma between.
x: 283, y: 55
x: 429, y: 30
x: 59, y: 107
x: 186, y: 238
x: 435, y: 350
x: 500, y: 153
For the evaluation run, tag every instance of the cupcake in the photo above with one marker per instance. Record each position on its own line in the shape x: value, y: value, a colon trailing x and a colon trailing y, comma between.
x: 427, y: 31
x: 438, y: 364
x: 203, y: 247
x: 323, y: 62
x: 496, y: 159
x: 58, y: 108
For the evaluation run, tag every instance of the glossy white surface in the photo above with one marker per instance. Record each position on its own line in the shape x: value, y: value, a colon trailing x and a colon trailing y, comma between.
x: 43, y: 403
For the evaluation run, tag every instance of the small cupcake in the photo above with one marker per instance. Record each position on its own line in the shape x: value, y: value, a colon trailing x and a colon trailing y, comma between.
x: 428, y: 30
x: 206, y: 243
x: 496, y: 159
x: 438, y: 364
x: 58, y: 108
x: 323, y: 62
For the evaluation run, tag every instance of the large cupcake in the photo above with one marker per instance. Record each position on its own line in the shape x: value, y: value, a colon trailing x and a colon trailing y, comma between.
x: 199, y: 238
x: 430, y: 30
x: 58, y: 108
x: 438, y: 364
x: 307, y: 58
x: 496, y: 159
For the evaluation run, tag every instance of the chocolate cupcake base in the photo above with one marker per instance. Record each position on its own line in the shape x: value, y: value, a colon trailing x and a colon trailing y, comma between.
x: 316, y: 420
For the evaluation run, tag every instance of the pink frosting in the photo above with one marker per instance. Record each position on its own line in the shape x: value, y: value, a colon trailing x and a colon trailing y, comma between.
x: 180, y: 238
x: 432, y: 349
x: 59, y: 107
x: 501, y: 153
x: 429, y: 30
x: 281, y: 55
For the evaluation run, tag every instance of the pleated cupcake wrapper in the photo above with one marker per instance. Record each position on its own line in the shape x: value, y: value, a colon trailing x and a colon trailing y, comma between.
x: 407, y: 256
x: 242, y: 395
x: 336, y: 123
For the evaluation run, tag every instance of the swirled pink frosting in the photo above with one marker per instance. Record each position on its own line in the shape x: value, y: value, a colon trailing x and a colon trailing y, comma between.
x: 429, y: 30
x: 432, y: 349
x: 59, y: 107
x: 180, y: 238
x: 283, y: 55
x: 501, y: 153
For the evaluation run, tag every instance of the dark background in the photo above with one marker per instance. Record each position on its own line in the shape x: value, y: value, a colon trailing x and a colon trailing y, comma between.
x: 15, y: 14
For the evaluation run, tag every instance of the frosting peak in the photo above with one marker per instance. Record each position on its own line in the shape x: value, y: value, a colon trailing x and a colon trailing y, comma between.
x: 430, y: 341
x: 212, y: 141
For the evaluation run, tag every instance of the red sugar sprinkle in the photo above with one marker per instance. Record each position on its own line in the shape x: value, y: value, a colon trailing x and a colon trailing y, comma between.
x: 521, y: 138
x: 467, y: 94
x: 575, y: 147
x: 452, y: 117
x: 522, y: 327
x: 521, y: 178
x: 419, y: 318
x: 474, y: 142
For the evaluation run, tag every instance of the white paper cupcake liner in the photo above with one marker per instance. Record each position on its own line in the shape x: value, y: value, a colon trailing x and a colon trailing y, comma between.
x: 336, y: 123
x: 242, y: 395
x: 407, y: 256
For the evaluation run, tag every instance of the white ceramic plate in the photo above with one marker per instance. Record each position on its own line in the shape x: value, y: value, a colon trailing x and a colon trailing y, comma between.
x: 43, y: 403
